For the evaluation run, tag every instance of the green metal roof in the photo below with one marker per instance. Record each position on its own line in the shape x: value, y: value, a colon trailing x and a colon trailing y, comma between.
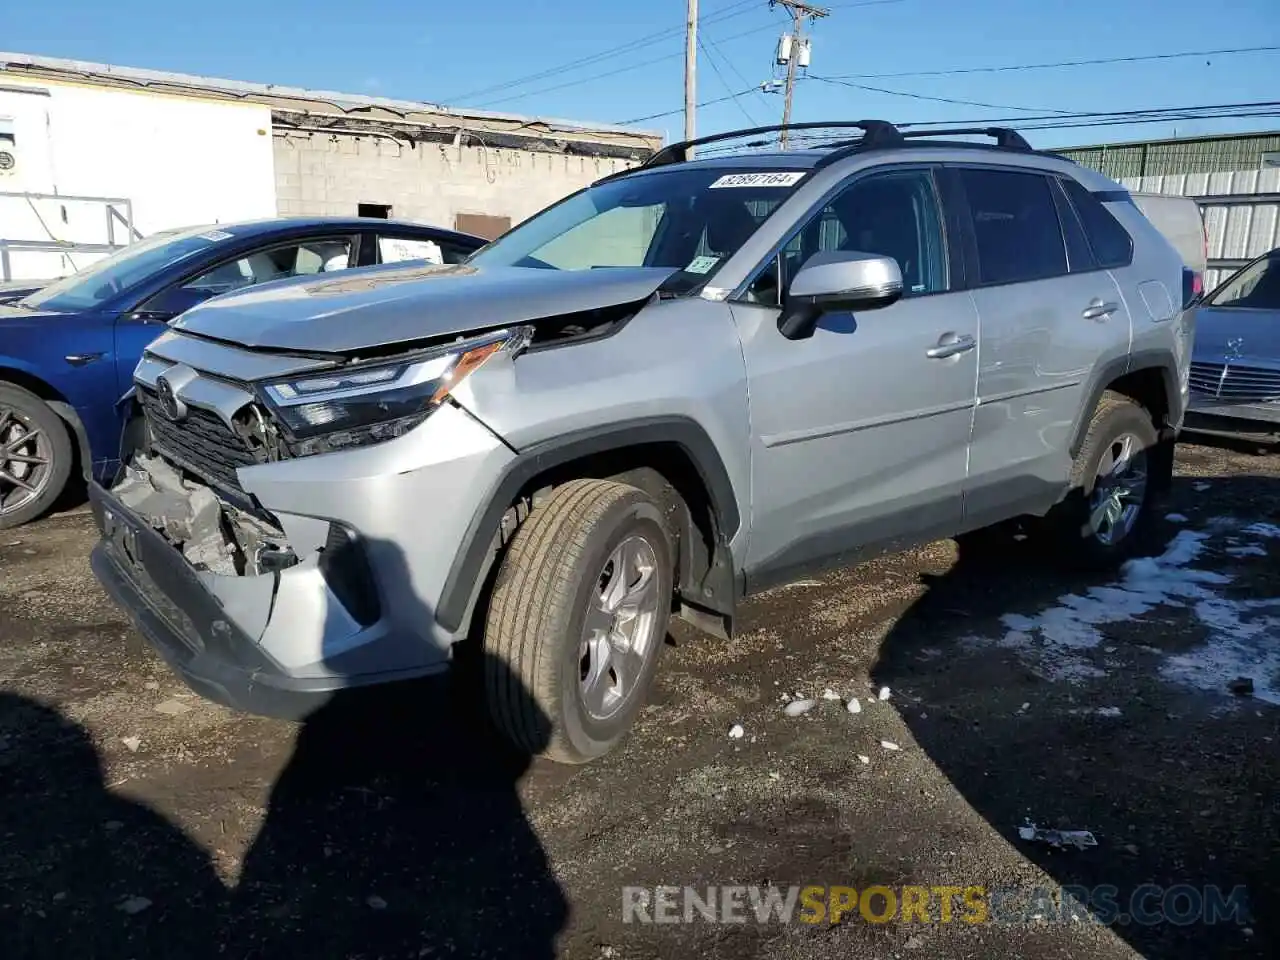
x: 1184, y: 155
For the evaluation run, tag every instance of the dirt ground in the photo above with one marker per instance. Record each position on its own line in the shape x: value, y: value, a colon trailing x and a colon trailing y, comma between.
x: 140, y: 821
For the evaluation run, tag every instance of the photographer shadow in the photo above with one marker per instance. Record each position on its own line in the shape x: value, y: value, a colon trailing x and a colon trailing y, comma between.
x: 86, y: 872
x: 397, y: 829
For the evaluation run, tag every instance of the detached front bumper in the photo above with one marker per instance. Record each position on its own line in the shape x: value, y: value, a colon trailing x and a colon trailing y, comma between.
x: 280, y: 642
x: 186, y: 624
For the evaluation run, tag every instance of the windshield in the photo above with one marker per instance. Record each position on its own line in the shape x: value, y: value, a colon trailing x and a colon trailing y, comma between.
x: 115, y: 274
x: 690, y: 219
x: 1256, y: 287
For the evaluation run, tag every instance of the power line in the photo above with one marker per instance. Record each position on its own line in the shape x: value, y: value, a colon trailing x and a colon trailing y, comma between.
x: 618, y: 70
x: 738, y: 73
x: 921, y: 96
x: 671, y: 113
x: 1210, y: 111
x: 1101, y: 61
x: 1061, y: 121
x: 725, y: 83
x: 736, y: 9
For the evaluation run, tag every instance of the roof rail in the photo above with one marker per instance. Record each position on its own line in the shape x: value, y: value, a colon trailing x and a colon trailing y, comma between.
x: 876, y: 133
x: 1005, y: 138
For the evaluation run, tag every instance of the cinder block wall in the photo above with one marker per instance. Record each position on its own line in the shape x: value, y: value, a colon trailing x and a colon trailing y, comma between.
x: 331, y: 174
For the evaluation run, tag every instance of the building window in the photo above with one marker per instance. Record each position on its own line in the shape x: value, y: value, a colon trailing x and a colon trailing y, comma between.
x: 1271, y: 159
x: 381, y: 211
x: 481, y: 225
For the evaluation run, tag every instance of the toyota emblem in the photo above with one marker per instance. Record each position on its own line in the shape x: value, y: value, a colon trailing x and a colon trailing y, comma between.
x: 172, y: 406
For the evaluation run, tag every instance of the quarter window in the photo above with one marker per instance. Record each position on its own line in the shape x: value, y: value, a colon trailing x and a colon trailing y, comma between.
x: 395, y: 249
x: 1111, y: 243
x: 1016, y: 226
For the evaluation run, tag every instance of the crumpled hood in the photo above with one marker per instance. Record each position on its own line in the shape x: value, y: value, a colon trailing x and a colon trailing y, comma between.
x: 360, y: 309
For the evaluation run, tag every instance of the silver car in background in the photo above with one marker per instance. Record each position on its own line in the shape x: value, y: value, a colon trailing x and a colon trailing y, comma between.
x: 1235, y: 369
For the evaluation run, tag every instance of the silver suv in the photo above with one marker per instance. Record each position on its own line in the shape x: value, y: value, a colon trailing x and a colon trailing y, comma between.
x: 677, y: 387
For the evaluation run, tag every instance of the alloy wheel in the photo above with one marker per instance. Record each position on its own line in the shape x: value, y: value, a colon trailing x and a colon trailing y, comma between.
x: 26, y: 459
x: 618, y: 635
x: 1119, y: 490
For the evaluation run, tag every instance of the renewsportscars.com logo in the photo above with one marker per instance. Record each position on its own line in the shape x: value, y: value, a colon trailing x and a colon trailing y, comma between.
x: 1146, y: 905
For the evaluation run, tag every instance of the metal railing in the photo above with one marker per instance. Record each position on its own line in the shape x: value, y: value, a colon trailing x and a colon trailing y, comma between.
x: 114, y: 219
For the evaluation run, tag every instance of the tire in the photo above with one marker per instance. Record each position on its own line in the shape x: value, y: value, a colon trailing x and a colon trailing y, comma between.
x: 549, y: 687
x: 23, y: 414
x: 1116, y: 421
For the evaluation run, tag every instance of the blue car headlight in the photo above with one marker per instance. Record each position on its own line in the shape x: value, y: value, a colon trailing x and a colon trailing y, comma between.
x: 376, y: 401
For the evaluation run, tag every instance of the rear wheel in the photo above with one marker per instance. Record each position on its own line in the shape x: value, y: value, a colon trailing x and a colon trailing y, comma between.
x: 577, y: 620
x: 1106, y: 516
x: 35, y: 456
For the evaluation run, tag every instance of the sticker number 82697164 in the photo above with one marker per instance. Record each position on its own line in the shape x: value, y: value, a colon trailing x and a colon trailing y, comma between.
x: 781, y: 178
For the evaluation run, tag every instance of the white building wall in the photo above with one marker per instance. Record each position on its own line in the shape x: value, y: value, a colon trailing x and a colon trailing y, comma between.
x: 432, y: 183
x: 179, y: 160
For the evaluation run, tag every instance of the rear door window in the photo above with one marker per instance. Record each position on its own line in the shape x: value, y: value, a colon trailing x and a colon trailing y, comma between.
x: 1079, y: 253
x: 297, y: 259
x: 1015, y: 224
x: 1111, y: 243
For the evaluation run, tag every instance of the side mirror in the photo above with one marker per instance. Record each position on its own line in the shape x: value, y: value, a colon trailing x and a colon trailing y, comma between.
x: 838, y: 280
x: 167, y: 304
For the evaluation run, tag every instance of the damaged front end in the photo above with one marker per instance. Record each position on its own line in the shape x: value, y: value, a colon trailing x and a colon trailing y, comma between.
x: 212, y: 533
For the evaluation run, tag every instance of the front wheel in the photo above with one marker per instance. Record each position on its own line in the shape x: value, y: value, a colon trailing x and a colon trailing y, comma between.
x: 1107, y: 512
x: 35, y: 456
x: 577, y: 620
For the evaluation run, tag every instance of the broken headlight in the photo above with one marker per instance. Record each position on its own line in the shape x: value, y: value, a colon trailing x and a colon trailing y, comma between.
x: 371, y: 402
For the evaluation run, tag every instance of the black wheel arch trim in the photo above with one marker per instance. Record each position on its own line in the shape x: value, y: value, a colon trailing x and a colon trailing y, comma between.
x: 470, y: 562
x: 1104, y: 376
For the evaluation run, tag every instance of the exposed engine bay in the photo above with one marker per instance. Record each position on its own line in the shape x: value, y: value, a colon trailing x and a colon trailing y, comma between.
x: 211, y: 533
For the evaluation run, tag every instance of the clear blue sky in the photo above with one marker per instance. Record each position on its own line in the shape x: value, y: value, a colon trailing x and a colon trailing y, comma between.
x: 447, y: 52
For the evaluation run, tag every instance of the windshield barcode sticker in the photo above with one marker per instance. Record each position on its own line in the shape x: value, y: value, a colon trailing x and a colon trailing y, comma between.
x: 785, y: 179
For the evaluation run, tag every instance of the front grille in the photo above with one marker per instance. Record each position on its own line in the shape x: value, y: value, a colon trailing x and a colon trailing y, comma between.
x: 1240, y: 385
x: 201, y: 442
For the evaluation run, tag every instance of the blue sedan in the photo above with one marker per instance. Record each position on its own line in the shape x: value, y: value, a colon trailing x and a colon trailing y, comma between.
x: 68, y: 350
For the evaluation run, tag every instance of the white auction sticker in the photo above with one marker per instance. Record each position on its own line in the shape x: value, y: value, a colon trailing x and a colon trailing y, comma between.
x: 783, y: 179
x: 215, y: 235
x: 701, y: 264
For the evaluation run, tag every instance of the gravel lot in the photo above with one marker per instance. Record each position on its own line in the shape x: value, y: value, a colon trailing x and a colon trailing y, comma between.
x: 139, y: 821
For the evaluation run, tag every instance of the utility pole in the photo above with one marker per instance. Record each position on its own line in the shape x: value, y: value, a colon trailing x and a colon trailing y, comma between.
x: 691, y: 72
x: 794, y: 48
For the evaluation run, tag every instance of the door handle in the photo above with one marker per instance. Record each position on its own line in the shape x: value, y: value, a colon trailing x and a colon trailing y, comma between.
x: 81, y: 359
x: 951, y: 345
x: 1097, y: 310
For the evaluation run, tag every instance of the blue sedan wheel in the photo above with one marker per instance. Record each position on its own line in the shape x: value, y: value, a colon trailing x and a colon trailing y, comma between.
x: 35, y: 456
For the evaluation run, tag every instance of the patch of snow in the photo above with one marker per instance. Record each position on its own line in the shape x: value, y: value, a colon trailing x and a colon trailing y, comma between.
x: 1247, y: 550
x: 864, y: 758
x: 889, y: 745
x: 736, y: 732
x: 854, y: 706
x: 796, y: 707
x: 1268, y: 531
x: 829, y: 694
x: 1108, y: 711
x: 884, y: 693
x: 1176, y: 518
x: 1060, y: 640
